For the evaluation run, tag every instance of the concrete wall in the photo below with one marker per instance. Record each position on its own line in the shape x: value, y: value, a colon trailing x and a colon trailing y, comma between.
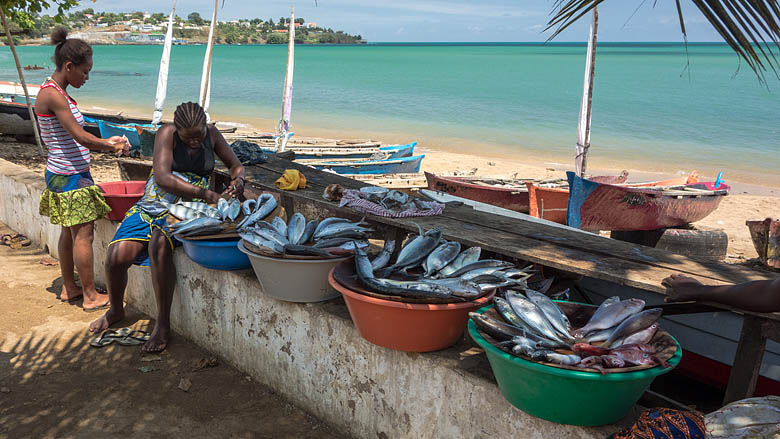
x: 312, y: 353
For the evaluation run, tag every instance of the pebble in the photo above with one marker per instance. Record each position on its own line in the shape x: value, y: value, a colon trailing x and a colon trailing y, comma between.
x: 5, y: 390
x: 185, y: 384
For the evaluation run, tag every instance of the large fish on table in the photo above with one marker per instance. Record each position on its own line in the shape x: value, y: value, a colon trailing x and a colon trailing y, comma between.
x: 296, y: 228
x: 465, y: 257
x: 415, y: 252
x: 381, y: 260
x: 610, y: 316
x: 441, y: 256
x: 532, y: 315
x: 558, y: 320
x: 634, y: 324
x: 385, y: 286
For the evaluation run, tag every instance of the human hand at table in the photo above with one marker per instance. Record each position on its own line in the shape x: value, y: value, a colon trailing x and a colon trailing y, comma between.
x: 119, y: 144
x: 236, y: 187
x: 211, y: 197
x: 681, y: 288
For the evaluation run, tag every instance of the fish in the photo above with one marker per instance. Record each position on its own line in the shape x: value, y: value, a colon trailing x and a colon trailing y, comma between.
x: 480, y: 264
x: 593, y: 362
x: 332, y: 242
x: 205, y: 230
x: 249, y: 206
x: 554, y: 315
x: 532, y: 315
x: 183, y: 213
x: 328, y: 221
x: 458, y: 287
x: 279, y: 225
x: 635, y: 357
x: 356, y: 233
x: 417, y: 250
x: 222, y: 208
x: 505, y: 311
x: 366, y: 276
x: 633, y: 324
x: 599, y: 335
x: 381, y: 260
x: 234, y: 209
x: 334, y: 228
x: 476, y: 273
x: 295, y: 228
x: 611, y: 315
x: 603, y: 307
x: 650, y: 349
x: 640, y: 337
x: 497, y: 330
x: 305, y: 250
x: 259, y: 241
x: 271, y: 235
x: 350, y: 245
x: 441, y: 256
x: 523, y: 348
x: 195, y: 224
x: 465, y: 257
x: 266, y: 203
x: 567, y: 360
x: 541, y: 354
x: 308, y: 231
x: 153, y: 208
x: 588, y: 349
x: 612, y: 361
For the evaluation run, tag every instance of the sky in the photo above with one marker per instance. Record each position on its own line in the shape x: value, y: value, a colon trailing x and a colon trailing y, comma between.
x: 451, y: 20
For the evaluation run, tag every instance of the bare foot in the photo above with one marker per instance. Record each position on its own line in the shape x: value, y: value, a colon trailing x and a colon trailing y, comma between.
x: 69, y: 294
x: 158, y: 341
x: 109, y: 318
x: 95, y: 300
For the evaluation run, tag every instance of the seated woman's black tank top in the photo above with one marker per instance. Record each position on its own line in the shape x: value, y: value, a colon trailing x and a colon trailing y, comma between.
x: 200, y: 163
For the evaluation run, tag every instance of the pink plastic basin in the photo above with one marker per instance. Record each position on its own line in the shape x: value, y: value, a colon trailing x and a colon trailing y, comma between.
x: 120, y: 196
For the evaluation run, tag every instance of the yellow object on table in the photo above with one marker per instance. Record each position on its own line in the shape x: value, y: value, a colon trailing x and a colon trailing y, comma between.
x: 291, y: 179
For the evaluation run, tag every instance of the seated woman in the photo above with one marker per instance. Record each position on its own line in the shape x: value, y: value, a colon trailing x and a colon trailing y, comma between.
x: 183, y: 162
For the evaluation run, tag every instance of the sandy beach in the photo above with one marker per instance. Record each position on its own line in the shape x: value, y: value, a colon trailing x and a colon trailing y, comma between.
x: 745, y: 202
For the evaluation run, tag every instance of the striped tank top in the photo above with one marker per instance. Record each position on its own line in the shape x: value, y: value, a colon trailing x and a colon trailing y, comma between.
x: 66, y: 156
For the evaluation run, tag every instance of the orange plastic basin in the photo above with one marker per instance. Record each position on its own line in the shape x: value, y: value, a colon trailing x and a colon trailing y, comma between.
x: 409, y: 327
x: 120, y: 196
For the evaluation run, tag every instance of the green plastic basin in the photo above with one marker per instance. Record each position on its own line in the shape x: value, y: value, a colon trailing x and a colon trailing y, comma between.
x: 567, y: 396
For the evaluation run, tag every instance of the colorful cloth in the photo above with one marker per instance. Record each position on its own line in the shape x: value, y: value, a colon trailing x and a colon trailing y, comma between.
x: 291, y: 179
x: 71, y: 200
x: 138, y: 224
x: 663, y: 423
x: 354, y: 200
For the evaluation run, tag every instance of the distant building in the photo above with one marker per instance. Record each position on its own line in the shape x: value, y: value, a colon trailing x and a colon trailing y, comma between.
x: 246, y: 24
x: 88, y: 15
x: 147, y: 15
x: 281, y: 31
x: 297, y: 25
x: 311, y: 25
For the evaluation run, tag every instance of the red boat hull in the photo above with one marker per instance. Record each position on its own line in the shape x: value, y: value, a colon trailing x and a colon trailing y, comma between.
x: 548, y: 203
x: 594, y: 206
x: 509, y: 198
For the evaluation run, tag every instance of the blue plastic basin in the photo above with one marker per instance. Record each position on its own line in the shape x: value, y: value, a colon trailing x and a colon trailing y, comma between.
x: 222, y: 254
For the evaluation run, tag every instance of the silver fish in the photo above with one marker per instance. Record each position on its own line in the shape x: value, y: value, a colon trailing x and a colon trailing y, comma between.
x: 234, y: 209
x: 334, y: 229
x: 279, y: 225
x: 506, y: 312
x: 308, y: 232
x: 305, y: 250
x: 266, y: 204
x: 356, y: 233
x: 600, y: 335
x: 458, y: 287
x: 196, y: 224
x: 381, y: 260
x: 484, y: 263
x: 249, y: 206
x: 532, y: 315
x: 366, y: 276
x: 183, y: 213
x: 222, y: 207
x: 271, y: 236
x: 611, y: 315
x: 641, y: 337
x: 328, y: 221
x: 523, y: 347
x: 568, y: 360
x: 332, y: 242
x: 466, y: 257
x: 259, y: 241
x: 473, y: 274
x: 554, y: 315
x: 441, y: 256
x: 416, y: 251
x: 295, y: 228
x: 633, y: 324
x: 351, y: 245
x: 604, y: 305
x: 205, y: 230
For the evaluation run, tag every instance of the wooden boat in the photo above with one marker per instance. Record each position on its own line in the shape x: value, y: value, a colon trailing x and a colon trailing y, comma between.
x: 318, y: 153
x: 392, y: 166
x: 552, y: 203
x: 597, y: 206
x: 131, y: 131
x: 509, y: 194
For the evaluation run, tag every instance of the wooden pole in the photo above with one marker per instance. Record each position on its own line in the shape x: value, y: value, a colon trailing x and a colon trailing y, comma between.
x: 583, y: 128
x: 21, y: 78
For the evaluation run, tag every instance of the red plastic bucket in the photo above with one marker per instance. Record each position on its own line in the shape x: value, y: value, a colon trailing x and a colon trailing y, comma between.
x: 120, y: 196
x: 409, y: 327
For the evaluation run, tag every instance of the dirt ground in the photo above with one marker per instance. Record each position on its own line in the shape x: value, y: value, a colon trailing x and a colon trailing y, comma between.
x: 53, y: 384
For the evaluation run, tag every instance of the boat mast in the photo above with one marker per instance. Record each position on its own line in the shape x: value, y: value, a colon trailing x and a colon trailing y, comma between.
x: 583, y: 127
x: 205, y: 79
x: 21, y: 78
x: 162, y: 78
x: 283, y: 130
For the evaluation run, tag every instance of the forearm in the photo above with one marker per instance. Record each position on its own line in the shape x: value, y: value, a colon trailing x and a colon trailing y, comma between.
x: 756, y: 296
x: 92, y: 142
x: 179, y: 187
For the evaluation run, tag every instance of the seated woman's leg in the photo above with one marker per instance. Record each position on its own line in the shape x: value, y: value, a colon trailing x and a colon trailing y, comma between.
x: 119, y: 258
x: 164, y: 281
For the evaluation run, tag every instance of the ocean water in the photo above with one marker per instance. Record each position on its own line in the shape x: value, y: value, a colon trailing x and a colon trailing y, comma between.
x: 649, y: 112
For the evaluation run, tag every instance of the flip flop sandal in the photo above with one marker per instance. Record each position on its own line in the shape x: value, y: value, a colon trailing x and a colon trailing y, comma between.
x: 97, y: 308
x: 16, y: 241
x: 135, y: 338
x: 109, y: 336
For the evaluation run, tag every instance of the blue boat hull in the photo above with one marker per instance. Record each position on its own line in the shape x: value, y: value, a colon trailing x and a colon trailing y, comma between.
x: 406, y: 165
x: 395, y: 152
x: 108, y: 129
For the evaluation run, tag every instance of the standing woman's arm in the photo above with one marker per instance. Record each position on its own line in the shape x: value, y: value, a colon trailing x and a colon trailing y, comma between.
x: 228, y: 157
x: 56, y: 103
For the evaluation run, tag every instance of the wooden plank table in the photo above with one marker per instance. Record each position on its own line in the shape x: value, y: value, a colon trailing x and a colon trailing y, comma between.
x: 588, y: 255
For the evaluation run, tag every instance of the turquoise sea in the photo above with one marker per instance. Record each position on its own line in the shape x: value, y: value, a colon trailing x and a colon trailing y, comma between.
x: 520, y: 99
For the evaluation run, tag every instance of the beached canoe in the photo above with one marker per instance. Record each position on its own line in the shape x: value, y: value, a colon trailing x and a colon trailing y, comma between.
x: 391, y: 166
x: 508, y: 194
x: 131, y: 131
x: 551, y: 203
x: 597, y: 206
x: 340, y: 153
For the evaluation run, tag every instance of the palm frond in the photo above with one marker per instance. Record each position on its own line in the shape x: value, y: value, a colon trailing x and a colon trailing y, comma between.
x: 750, y: 27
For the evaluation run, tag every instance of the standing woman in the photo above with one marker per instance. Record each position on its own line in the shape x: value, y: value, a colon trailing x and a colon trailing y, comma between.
x: 71, y: 198
x: 184, y: 154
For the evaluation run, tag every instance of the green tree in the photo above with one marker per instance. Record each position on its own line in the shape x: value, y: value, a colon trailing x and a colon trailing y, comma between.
x: 195, y: 19
x: 33, y: 7
x: 299, y: 21
x: 278, y: 38
x: 138, y: 15
x: 158, y: 17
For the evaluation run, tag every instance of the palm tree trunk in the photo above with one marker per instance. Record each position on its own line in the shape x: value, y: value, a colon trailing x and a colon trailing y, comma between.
x: 583, y: 128
x: 21, y: 78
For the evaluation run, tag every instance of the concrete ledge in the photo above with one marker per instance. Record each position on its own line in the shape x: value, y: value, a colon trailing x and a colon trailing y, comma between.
x: 312, y: 353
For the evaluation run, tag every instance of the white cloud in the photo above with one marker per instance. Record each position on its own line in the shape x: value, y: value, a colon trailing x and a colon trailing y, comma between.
x: 535, y: 29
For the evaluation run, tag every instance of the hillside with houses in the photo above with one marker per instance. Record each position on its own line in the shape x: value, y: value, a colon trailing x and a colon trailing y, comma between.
x: 149, y: 28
